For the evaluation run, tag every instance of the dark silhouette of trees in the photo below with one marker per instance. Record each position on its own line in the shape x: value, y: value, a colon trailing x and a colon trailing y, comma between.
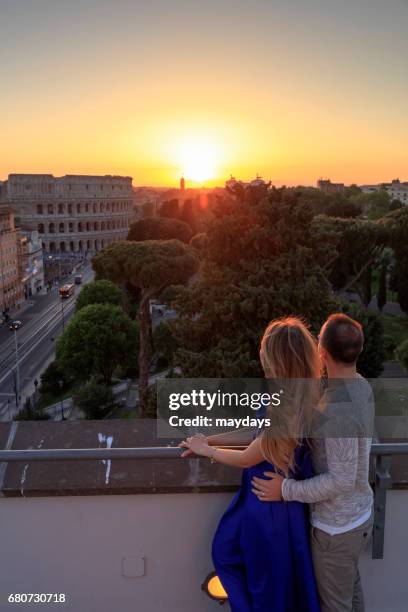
x: 170, y: 209
x: 356, y: 247
x: 382, y: 287
x: 188, y: 214
x: 370, y: 362
x: 95, y: 400
x: 199, y: 242
x: 396, y: 224
x: 261, y: 261
x: 159, y: 228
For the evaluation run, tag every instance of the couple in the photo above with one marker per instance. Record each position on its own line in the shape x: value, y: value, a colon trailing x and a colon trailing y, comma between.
x: 265, y: 553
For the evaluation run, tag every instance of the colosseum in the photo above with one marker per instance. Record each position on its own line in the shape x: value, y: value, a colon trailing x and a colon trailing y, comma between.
x: 72, y: 213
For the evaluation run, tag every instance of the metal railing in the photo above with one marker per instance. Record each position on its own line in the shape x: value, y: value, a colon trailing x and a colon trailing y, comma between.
x: 147, y: 452
x: 91, y: 454
x: 382, y: 454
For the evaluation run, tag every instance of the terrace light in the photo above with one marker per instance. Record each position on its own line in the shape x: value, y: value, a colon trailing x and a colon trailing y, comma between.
x: 213, y: 588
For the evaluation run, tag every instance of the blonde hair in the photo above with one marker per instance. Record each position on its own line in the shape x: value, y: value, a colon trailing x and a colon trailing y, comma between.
x: 289, y: 353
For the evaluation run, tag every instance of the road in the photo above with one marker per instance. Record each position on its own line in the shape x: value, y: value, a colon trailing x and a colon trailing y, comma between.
x: 42, y: 324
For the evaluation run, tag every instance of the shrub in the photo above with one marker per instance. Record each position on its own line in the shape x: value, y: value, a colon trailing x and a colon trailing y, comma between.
x: 96, y: 400
x: 50, y: 379
x: 370, y: 363
x: 402, y: 354
x: 29, y: 413
x: 390, y: 345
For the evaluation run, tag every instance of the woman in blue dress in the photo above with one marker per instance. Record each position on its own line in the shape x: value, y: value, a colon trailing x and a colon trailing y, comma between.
x: 261, y: 549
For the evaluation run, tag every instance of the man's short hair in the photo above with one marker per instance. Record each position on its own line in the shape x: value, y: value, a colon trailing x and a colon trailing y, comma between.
x: 343, y: 338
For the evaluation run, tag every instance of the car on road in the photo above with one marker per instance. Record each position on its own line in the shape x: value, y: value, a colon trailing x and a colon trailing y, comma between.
x: 15, y: 325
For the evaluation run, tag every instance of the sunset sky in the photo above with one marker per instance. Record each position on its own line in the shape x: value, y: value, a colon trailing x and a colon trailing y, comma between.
x: 292, y: 89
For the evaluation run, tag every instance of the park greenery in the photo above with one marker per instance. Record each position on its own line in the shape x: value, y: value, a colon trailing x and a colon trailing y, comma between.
x: 261, y: 253
x: 150, y: 266
x: 159, y: 228
x: 402, y: 353
x: 98, y: 338
x: 96, y: 400
x: 99, y: 292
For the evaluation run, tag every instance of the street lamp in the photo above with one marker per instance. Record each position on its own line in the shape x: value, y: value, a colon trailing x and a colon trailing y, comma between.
x: 61, y: 384
x: 14, y: 326
x: 62, y: 313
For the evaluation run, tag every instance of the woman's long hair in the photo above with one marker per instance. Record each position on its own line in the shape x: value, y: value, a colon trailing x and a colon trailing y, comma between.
x: 289, y: 354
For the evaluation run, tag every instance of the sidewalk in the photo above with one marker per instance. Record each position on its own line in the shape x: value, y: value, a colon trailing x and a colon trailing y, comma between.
x: 34, y: 304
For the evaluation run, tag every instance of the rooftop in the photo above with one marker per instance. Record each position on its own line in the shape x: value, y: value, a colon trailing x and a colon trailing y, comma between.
x: 135, y: 533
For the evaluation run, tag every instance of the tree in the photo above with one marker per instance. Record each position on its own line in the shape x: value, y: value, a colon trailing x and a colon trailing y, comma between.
x: 99, y: 292
x: 371, y: 360
x: 331, y: 204
x: 30, y: 413
x: 356, y: 246
x: 399, y: 276
x: 396, y: 205
x: 148, y: 209
x: 344, y: 207
x: 382, y: 287
x: 375, y: 205
x: 157, y: 228
x: 95, y: 400
x: 396, y: 226
x: 51, y: 379
x: 164, y: 340
x: 379, y: 205
x: 401, y: 354
x: 199, y: 241
x: 262, y: 260
x: 188, y: 215
x: 170, y: 209
x: 151, y: 266
x: 98, y: 338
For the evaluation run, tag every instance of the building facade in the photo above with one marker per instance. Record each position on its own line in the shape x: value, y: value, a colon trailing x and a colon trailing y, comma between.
x: 31, y: 262
x: 72, y: 214
x: 327, y: 186
x: 11, y: 286
x: 397, y: 190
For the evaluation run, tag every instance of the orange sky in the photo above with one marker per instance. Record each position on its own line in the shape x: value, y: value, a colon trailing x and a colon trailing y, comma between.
x: 293, y: 91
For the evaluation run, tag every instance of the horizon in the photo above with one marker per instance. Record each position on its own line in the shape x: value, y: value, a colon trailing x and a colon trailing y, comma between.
x: 304, y: 91
x: 211, y: 184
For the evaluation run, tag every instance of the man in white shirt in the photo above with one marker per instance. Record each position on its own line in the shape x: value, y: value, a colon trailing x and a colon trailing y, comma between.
x: 340, y: 495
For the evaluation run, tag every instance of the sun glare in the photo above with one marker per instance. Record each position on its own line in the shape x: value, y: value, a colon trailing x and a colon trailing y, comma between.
x: 199, y: 160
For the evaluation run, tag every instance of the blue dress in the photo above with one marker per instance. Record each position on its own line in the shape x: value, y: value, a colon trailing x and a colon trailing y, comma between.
x: 261, y: 550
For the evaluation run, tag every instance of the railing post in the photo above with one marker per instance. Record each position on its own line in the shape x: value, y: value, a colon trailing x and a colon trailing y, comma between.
x: 383, y: 482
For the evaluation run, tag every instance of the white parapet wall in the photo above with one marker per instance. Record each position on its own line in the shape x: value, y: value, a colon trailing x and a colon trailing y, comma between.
x: 149, y: 552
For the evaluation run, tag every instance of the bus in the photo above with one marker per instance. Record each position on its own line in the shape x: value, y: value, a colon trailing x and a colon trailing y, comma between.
x: 67, y: 290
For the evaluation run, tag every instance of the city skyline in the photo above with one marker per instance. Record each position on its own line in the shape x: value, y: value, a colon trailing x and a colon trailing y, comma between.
x: 293, y: 92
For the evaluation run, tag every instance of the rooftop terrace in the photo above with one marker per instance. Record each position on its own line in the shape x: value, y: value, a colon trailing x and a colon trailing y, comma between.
x: 129, y: 527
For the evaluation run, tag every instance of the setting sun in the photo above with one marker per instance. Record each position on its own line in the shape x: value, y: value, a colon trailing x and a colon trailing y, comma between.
x: 199, y: 160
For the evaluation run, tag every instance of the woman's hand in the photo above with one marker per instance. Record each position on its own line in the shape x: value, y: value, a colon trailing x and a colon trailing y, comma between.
x: 197, y: 445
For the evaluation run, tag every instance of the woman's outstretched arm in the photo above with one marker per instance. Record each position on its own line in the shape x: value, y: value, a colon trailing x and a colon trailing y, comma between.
x: 238, y: 437
x: 236, y: 458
